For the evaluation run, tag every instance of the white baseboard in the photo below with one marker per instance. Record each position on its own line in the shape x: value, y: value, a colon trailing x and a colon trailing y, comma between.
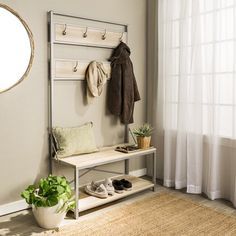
x: 138, y: 173
x: 22, y: 205
x: 13, y: 207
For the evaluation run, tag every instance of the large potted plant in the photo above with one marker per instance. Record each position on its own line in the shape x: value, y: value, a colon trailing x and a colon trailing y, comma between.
x: 51, y: 198
x: 143, y: 135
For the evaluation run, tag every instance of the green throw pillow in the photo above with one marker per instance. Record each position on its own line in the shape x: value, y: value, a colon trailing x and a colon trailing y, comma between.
x: 74, y: 140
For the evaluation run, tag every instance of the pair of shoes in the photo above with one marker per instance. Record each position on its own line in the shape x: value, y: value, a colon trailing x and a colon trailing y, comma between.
x: 96, y: 190
x: 109, y: 186
x: 100, y: 190
x: 121, y: 185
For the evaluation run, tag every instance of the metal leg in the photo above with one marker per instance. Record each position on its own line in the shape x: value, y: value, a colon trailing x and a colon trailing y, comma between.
x: 126, y: 167
x: 76, y: 184
x: 154, y: 171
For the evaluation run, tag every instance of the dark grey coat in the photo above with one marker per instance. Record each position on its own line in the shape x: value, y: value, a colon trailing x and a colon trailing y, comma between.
x: 122, y: 87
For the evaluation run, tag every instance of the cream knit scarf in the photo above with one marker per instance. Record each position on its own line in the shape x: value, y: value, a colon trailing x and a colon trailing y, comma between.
x: 96, y: 77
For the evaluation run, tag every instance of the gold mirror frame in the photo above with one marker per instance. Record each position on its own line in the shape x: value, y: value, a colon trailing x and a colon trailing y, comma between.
x: 31, y: 45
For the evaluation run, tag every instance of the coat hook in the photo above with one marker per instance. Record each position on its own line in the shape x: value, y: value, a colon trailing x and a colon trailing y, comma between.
x: 121, y: 37
x: 64, y: 31
x: 104, y: 35
x: 76, y: 66
x: 85, y: 33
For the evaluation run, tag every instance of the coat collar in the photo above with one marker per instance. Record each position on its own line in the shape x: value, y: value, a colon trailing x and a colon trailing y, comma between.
x: 120, y: 52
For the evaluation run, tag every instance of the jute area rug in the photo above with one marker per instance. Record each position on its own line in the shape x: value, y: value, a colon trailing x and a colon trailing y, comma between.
x: 160, y: 214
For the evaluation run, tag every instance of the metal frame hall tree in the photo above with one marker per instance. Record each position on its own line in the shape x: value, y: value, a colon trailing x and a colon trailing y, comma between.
x: 74, y: 35
x: 74, y: 70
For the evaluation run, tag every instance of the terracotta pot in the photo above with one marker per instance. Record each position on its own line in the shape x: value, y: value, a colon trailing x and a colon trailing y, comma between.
x: 143, y: 142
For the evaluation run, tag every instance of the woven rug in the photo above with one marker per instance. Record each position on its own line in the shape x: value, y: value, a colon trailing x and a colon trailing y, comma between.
x: 161, y: 214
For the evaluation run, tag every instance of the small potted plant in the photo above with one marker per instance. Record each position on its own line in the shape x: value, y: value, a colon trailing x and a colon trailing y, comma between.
x: 50, y: 200
x: 143, y: 135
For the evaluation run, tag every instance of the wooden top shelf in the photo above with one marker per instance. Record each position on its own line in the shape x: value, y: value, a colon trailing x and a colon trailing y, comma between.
x: 104, y: 156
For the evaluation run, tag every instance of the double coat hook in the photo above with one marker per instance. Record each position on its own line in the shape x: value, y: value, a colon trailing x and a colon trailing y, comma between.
x: 104, y: 35
x: 64, y: 31
x: 121, y: 37
x: 75, y: 69
x: 85, y: 35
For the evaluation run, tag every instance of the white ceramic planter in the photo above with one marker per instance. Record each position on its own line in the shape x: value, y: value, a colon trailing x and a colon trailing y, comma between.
x: 47, y: 217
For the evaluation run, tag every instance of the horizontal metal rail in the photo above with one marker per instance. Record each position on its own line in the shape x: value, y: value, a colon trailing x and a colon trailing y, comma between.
x: 90, y: 19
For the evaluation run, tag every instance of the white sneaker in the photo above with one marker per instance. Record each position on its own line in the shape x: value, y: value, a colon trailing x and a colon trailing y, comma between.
x: 109, y: 186
x: 97, y: 190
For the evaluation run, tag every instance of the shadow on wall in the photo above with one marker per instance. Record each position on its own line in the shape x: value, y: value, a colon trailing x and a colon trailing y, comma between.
x: 20, y: 225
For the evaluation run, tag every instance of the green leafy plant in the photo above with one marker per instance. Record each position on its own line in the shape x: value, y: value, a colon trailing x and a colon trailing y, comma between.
x: 143, y: 131
x: 49, y: 192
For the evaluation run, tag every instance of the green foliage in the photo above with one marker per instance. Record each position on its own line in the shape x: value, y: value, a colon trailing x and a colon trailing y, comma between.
x: 143, y: 131
x: 49, y: 192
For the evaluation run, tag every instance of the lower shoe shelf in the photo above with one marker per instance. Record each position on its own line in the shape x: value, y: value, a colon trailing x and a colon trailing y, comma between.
x: 87, y: 202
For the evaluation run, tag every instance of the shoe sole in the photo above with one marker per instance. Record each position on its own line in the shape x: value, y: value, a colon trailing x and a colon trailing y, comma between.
x: 95, y: 194
x: 127, y: 189
x: 119, y: 191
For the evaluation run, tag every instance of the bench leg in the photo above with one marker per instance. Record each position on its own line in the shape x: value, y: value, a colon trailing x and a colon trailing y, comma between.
x: 126, y: 167
x: 76, y: 185
x: 154, y: 171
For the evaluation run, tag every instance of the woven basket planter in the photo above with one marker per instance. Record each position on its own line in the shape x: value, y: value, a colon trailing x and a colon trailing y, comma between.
x: 143, y: 142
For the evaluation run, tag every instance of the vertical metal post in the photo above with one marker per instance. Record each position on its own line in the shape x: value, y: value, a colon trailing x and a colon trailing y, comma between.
x: 76, y: 185
x: 50, y: 86
x: 126, y: 29
x: 154, y: 171
x: 126, y: 138
x: 126, y: 125
x: 127, y: 166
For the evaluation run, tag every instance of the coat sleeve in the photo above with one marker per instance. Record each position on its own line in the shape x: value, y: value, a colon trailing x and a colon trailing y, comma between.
x: 130, y: 92
x: 135, y: 87
x: 115, y: 90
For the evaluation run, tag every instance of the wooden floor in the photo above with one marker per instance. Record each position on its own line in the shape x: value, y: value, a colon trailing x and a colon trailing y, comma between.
x: 23, y: 224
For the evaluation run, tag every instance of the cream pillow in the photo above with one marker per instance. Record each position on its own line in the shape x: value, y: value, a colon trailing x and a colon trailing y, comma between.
x: 74, y: 140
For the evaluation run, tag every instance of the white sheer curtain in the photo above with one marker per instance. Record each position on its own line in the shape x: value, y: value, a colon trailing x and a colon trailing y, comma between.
x: 197, y: 92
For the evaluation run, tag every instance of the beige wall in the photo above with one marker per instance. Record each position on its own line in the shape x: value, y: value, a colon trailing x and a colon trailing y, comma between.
x: 24, y: 116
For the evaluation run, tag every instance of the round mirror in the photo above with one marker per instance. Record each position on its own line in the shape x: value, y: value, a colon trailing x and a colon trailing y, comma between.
x: 16, y: 48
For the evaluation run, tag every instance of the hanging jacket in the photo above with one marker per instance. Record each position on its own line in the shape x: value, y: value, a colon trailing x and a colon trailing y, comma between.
x: 96, y: 77
x: 122, y: 88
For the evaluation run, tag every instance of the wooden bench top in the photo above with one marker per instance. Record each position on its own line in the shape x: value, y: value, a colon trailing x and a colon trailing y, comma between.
x: 104, y: 156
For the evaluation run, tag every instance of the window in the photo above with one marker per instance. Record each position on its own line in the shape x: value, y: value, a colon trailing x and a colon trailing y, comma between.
x: 202, y: 48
